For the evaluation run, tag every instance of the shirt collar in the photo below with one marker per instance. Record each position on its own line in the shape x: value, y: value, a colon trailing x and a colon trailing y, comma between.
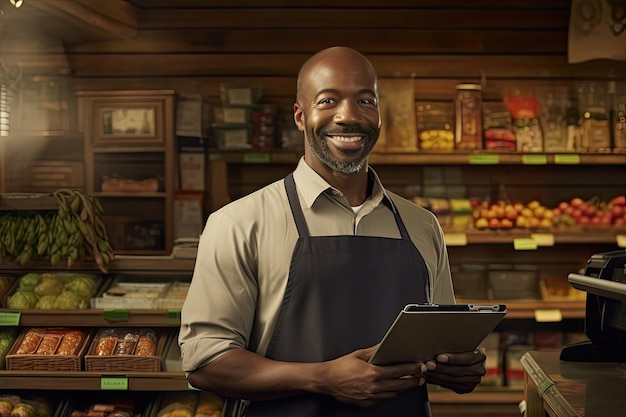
x: 311, y: 185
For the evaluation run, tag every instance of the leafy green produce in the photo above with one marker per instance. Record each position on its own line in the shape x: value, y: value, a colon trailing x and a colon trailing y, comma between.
x: 29, y: 281
x: 82, y: 285
x: 22, y: 300
x: 46, y: 302
x: 49, y: 285
x: 69, y: 300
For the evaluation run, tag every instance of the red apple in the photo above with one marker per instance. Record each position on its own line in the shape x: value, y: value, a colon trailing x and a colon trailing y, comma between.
x: 620, y: 200
x: 563, y: 205
x: 576, y: 201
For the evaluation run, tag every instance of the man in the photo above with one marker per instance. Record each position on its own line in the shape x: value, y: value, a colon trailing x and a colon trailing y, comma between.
x: 295, y: 284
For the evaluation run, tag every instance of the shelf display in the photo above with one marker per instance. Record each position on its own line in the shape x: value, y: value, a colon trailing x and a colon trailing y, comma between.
x: 130, y: 159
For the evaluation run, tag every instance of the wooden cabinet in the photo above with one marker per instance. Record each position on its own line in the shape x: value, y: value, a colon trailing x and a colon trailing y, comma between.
x: 130, y: 158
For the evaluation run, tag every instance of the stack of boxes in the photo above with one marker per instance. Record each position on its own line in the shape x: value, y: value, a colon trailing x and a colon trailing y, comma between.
x: 242, y: 122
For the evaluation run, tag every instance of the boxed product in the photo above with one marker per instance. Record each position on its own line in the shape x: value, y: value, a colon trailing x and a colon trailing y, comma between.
x: 48, y: 349
x: 435, y: 121
x: 468, y: 114
x: 142, y: 292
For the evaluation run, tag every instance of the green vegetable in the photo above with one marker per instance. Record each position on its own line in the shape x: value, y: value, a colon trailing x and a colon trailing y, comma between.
x: 46, y: 302
x: 49, y: 285
x: 22, y: 300
x: 82, y: 285
x: 68, y: 300
x: 29, y: 281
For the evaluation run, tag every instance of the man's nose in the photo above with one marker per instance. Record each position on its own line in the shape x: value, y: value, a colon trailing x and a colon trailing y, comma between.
x: 347, y: 113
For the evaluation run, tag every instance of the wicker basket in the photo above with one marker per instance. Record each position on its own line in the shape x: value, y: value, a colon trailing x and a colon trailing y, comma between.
x: 35, y: 362
x: 126, y: 363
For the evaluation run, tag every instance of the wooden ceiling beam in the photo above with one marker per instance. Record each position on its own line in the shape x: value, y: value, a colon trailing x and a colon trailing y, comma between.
x: 113, y: 18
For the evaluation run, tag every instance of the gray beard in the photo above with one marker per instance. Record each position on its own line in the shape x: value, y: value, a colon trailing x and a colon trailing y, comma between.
x: 321, y: 151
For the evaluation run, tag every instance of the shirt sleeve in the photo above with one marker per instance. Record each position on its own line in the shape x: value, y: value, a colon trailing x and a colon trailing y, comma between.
x: 442, y: 288
x: 218, y: 312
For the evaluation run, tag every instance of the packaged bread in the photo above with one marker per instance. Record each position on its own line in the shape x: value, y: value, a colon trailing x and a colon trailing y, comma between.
x: 127, y: 343
x: 106, y: 340
x: 49, y: 342
x: 71, y: 341
x: 146, y: 345
x: 31, y: 341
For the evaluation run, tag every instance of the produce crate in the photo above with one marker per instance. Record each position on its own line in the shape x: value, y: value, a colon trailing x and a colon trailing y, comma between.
x: 124, y: 362
x: 470, y: 282
x: 172, y: 361
x: 7, y: 338
x: 32, y: 402
x: 513, y: 285
x: 65, y: 277
x: 41, y: 362
x: 109, y: 403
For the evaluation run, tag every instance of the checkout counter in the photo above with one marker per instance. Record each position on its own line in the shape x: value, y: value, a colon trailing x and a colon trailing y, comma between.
x: 586, y: 378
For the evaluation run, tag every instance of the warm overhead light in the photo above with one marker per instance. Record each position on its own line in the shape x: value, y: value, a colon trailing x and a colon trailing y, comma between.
x: 17, y: 3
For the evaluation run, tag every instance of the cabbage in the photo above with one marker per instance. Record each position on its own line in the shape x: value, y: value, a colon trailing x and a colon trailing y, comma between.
x: 22, y: 300
x: 29, y: 281
x: 49, y: 285
x: 82, y: 285
x: 68, y: 300
x: 46, y: 302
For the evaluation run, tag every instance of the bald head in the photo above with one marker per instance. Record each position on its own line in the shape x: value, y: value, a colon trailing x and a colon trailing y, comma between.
x: 336, y: 58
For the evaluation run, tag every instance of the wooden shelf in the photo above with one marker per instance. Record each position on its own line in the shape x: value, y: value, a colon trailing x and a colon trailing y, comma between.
x: 517, y: 309
x: 129, y: 194
x: 481, y: 395
x: 28, y: 201
x: 150, y: 264
x: 575, y: 236
x: 92, y: 381
x: 97, y: 317
x: 425, y: 158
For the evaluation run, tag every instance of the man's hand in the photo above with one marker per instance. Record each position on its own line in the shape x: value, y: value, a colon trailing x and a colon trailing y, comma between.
x: 352, y: 380
x: 460, y: 372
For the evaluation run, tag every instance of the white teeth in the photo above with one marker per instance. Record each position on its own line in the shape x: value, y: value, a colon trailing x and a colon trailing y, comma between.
x: 348, y: 138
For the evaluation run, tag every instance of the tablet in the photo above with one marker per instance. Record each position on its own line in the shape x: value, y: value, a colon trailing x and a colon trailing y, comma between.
x: 422, y: 331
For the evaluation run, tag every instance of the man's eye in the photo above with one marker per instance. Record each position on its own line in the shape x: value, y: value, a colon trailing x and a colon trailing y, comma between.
x: 368, y: 101
x: 326, y: 101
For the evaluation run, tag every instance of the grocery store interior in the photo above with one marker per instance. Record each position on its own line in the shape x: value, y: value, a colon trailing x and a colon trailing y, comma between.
x: 125, y: 123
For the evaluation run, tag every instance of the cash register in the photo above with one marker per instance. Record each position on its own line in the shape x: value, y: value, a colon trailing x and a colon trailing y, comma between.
x: 604, y: 280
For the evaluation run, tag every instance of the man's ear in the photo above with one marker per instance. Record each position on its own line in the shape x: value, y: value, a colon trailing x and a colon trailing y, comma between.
x: 298, y: 116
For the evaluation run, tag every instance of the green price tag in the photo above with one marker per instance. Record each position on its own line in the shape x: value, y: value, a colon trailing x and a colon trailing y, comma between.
x: 524, y: 243
x: 256, y: 158
x: 115, y: 314
x: 114, y: 383
x: 570, y: 158
x: 543, y: 387
x: 534, y: 159
x: 215, y: 156
x: 484, y: 159
x: 10, y: 318
x: 173, y: 315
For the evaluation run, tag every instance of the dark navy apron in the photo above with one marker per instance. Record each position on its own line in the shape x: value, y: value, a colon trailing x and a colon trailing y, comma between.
x: 342, y: 294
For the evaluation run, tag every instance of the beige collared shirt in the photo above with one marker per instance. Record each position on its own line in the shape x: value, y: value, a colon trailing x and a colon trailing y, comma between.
x: 245, y: 251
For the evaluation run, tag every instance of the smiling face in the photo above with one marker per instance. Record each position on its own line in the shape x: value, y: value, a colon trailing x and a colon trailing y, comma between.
x: 337, y: 110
